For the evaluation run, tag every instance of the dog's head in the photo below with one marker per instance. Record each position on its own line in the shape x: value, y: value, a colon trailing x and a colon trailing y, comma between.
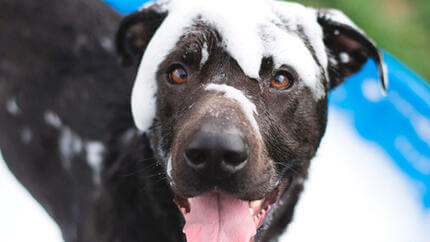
x: 233, y: 95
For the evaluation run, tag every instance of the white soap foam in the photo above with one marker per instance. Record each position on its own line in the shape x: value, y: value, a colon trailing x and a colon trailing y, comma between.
x: 95, y: 151
x: 246, y: 105
x: 69, y: 144
x: 26, y: 135
x: 205, y: 54
x: 344, y: 57
x: 12, y: 107
x: 264, y: 28
x: 52, y: 119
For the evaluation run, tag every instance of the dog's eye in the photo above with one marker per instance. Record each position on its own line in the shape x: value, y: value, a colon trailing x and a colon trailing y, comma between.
x: 282, y: 80
x: 178, y: 75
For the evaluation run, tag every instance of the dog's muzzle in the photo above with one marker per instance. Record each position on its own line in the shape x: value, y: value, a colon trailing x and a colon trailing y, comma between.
x: 221, y: 175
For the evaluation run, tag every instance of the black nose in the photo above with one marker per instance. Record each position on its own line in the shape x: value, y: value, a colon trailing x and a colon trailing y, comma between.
x: 217, y: 151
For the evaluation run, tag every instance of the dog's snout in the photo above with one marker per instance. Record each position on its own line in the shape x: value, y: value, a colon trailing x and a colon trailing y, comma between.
x: 216, y: 151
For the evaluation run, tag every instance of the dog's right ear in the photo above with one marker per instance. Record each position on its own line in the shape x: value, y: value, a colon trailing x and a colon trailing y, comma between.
x: 135, y: 32
x: 349, y: 47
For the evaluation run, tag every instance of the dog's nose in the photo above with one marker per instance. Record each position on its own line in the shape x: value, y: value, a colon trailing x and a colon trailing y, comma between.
x: 217, y: 151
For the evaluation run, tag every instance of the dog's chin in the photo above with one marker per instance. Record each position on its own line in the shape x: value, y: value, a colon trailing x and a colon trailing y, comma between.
x: 218, y: 216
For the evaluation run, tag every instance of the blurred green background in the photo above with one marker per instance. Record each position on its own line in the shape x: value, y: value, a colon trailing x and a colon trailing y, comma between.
x: 402, y: 27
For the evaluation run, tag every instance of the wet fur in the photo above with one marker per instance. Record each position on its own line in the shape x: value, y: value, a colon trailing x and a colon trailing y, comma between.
x: 53, y: 58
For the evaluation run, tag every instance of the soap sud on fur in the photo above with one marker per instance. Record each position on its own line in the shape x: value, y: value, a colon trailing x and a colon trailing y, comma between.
x: 52, y: 119
x: 127, y: 136
x: 12, y: 107
x: 70, y: 144
x: 262, y: 34
x: 344, y: 57
x: 169, y: 167
x: 26, y: 135
x: 95, y: 151
x: 246, y: 105
x: 205, y: 54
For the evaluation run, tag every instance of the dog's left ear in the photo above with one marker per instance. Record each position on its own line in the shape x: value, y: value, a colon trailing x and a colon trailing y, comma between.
x: 349, y: 47
x: 135, y: 32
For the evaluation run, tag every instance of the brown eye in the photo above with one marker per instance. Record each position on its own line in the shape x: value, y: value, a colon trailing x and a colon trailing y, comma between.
x: 178, y: 75
x: 282, y: 80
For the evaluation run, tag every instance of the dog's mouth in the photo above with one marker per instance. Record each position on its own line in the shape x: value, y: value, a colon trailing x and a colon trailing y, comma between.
x: 217, y: 216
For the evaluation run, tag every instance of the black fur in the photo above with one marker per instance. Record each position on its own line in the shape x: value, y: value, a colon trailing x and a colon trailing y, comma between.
x: 57, y: 58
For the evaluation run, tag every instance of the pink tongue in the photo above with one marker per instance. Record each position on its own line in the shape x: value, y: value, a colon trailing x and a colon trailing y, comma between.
x: 219, y: 218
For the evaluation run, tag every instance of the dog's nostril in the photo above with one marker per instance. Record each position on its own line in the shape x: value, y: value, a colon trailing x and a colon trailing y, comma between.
x: 196, y: 158
x: 235, y: 158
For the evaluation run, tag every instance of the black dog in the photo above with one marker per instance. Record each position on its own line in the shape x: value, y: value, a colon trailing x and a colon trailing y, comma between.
x: 230, y: 99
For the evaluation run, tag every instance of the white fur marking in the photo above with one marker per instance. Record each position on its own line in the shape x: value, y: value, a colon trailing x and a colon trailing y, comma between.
x: 12, y: 107
x: 52, y: 119
x: 247, y: 106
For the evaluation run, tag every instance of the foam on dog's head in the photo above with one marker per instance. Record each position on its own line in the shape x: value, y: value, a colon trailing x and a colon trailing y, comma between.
x: 250, y: 30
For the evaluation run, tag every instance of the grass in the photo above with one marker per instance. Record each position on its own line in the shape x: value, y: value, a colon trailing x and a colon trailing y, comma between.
x: 402, y: 27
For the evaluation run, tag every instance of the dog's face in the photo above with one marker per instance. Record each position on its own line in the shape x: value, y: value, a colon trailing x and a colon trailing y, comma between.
x: 235, y: 100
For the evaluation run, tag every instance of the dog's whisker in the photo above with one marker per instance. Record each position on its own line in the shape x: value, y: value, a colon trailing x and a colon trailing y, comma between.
x: 141, y: 169
x: 288, y: 167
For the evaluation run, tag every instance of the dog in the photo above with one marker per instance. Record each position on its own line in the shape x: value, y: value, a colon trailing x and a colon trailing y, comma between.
x: 228, y: 108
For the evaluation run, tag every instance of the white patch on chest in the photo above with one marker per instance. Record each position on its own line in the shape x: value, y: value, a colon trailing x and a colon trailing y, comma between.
x: 251, y: 30
x: 246, y: 105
